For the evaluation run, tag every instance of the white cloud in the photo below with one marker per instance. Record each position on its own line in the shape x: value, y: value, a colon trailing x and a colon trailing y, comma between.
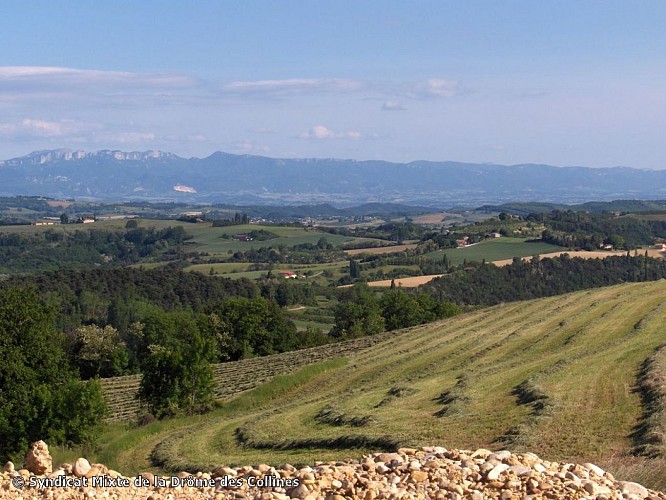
x: 246, y: 146
x: 128, y: 137
x: 38, y: 87
x: 43, y: 127
x: 436, y: 88
x: 392, y: 106
x: 21, y: 76
x: 292, y: 86
x: 322, y: 132
x: 65, y: 132
x: 36, y: 128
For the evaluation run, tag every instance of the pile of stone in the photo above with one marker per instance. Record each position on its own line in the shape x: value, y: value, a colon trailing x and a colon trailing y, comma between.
x: 431, y: 472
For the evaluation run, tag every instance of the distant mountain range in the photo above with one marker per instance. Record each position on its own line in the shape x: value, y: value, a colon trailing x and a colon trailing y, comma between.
x: 225, y: 178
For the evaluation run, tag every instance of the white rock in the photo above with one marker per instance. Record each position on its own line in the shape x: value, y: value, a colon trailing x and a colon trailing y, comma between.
x: 539, y: 468
x: 594, y: 468
x: 520, y: 470
x: 81, y: 467
x: 500, y: 455
x: 481, y: 453
x: 415, y: 465
x: 300, y: 491
x: 494, y: 474
x: 633, y: 489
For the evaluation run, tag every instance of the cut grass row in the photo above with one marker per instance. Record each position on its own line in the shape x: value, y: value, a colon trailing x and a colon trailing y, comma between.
x: 584, y: 351
x: 233, y: 377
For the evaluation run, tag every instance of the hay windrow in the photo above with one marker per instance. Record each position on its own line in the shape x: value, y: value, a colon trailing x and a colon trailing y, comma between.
x: 650, y: 434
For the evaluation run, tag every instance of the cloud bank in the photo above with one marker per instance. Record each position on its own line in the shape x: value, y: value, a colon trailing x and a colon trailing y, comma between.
x: 319, y: 132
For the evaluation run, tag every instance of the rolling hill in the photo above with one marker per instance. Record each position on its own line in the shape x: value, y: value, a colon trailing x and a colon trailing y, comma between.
x: 572, y: 377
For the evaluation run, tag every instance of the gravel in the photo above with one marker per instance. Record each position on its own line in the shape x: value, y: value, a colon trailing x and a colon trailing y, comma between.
x: 430, y: 472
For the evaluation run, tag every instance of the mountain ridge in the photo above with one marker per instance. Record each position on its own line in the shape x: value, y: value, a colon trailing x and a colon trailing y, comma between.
x: 225, y: 177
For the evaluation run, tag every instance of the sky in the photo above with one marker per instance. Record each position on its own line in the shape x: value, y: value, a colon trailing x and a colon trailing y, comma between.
x: 556, y: 82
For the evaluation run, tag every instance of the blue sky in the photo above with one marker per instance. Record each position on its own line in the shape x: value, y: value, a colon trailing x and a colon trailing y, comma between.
x: 558, y: 82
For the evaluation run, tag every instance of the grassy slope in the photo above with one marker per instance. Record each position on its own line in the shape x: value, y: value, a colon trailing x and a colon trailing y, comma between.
x: 494, y: 249
x: 451, y: 383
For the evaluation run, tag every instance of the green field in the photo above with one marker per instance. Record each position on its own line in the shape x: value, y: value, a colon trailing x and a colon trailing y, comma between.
x: 206, y: 238
x: 554, y: 376
x: 235, y: 270
x: 302, y: 324
x: 494, y: 249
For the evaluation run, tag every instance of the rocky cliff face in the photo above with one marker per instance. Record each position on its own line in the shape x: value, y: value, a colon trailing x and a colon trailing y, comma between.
x: 50, y: 156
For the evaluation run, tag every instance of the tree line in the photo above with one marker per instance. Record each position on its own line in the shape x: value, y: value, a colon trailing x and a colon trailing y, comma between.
x: 487, y: 284
x: 589, y: 231
x: 57, y: 249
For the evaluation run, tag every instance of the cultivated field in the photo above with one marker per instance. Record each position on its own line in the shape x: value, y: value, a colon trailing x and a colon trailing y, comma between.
x: 205, y: 238
x: 599, y: 254
x: 493, y: 250
x: 381, y: 250
x: 410, y: 282
x: 434, y: 218
x: 558, y: 376
x: 449, y: 218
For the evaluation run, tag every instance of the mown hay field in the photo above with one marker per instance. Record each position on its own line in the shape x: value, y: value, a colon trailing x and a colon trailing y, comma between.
x: 410, y: 282
x: 598, y: 254
x: 556, y: 376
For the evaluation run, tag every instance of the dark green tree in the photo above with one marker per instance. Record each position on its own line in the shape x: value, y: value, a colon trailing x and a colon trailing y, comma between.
x: 99, y: 352
x: 354, y: 269
x: 256, y: 327
x: 400, y: 309
x: 176, y: 374
x: 358, y: 314
x: 39, y: 392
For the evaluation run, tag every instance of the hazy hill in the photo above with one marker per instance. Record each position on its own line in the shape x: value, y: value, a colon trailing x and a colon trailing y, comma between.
x: 591, y: 206
x: 223, y: 177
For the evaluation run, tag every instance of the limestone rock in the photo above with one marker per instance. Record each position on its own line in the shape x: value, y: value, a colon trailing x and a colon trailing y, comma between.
x: 81, y: 467
x: 38, y: 459
x: 410, y: 473
x: 594, y: 468
x: 633, y: 489
x: 494, y: 474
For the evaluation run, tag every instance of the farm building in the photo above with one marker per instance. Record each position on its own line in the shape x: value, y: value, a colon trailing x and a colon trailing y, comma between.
x: 463, y: 242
